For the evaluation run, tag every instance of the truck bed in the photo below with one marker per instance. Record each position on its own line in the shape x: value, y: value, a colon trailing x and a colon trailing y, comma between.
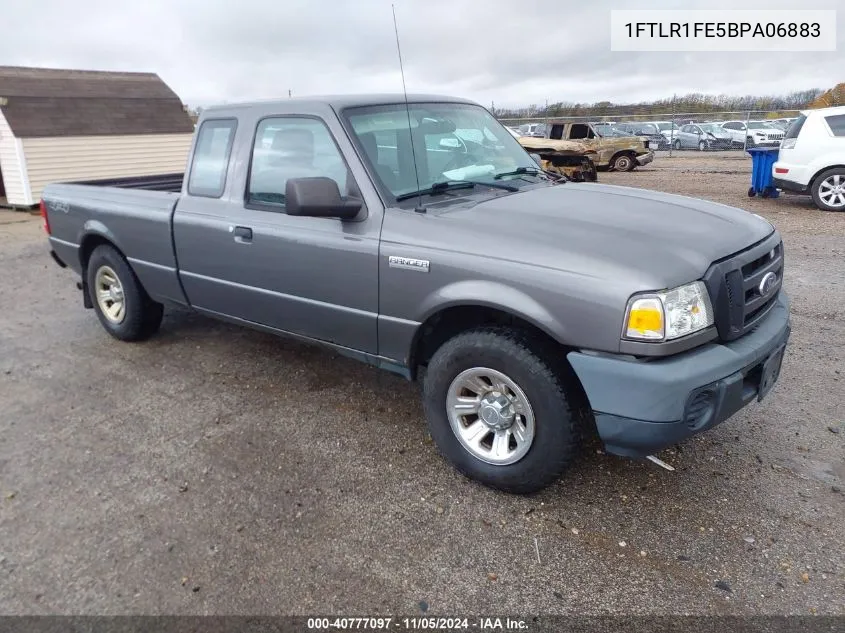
x: 160, y: 182
x: 134, y: 214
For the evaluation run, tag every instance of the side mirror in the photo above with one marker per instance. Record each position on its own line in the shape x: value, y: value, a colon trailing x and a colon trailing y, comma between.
x: 537, y: 159
x: 318, y: 197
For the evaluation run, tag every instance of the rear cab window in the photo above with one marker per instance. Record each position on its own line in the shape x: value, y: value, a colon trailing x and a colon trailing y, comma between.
x: 211, y: 157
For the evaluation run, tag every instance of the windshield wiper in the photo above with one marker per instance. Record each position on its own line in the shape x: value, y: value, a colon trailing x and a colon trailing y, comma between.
x: 448, y: 185
x: 519, y: 171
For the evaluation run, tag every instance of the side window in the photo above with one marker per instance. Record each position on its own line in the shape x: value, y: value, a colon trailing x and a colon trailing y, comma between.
x: 579, y: 130
x: 557, y: 131
x: 837, y: 124
x: 211, y: 158
x: 291, y: 147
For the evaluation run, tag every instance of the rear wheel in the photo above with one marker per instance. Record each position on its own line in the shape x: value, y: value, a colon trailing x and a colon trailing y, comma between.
x: 121, y: 303
x: 500, y: 412
x: 829, y: 190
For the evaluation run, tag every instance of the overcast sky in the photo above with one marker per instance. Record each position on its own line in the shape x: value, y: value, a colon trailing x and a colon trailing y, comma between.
x: 510, y: 52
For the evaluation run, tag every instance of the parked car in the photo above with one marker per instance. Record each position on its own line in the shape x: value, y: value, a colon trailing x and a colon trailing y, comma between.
x: 532, y: 129
x: 667, y: 128
x: 755, y: 133
x: 702, y: 136
x: 645, y: 130
x: 532, y: 309
x: 781, y: 124
x: 571, y: 159
x: 812, y: 158
x: 622, y: 153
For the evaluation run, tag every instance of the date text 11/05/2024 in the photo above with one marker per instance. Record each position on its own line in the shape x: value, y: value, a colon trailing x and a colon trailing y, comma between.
x: 420, y: 623
x: 723, y: 29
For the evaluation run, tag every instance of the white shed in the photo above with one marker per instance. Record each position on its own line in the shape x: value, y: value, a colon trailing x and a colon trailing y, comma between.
x: 66, y: 125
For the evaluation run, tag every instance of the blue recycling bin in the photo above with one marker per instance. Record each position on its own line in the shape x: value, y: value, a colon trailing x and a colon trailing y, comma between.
x: 762, y: 159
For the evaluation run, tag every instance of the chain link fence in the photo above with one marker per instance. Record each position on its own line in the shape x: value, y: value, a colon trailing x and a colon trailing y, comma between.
x: 678, y: 131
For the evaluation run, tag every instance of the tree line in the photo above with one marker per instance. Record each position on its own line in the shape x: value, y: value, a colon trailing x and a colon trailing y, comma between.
x: 693, y: 102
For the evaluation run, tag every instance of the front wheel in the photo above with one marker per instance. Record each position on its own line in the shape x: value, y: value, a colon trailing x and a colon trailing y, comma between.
x: 702, y: 146
x: 499, y: 412
x: 829, y: 190
x: 121, y: 303
x: 677, y: 144
x: 623, y: 162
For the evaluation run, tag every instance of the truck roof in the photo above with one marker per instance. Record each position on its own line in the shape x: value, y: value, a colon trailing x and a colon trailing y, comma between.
x: 339, y: 102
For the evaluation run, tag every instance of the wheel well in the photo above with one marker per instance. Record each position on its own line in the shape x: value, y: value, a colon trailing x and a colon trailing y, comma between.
x: 89, y: 243
x: 820, y: 172
x: 625, y: 152
x: 447, y: 323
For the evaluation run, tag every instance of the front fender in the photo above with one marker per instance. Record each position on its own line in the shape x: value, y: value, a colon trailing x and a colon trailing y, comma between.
x: 492, y: 294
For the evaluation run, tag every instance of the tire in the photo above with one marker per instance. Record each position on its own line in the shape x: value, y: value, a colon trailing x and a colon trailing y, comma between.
x: 702, y: 146
x: 555, y: 421
x: 825, y: 195
x: 140, y: 316
x: 623, y: 162
x: 677, y: 144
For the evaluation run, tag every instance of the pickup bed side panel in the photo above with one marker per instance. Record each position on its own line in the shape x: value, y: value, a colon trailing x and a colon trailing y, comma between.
x: 136, y: 222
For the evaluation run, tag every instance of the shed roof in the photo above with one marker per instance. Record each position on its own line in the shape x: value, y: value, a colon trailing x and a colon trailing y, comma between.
x: 52, y: 102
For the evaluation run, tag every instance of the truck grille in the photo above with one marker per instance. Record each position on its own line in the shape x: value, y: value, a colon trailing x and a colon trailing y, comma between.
x: 735, y: 285
x: 775, y: 137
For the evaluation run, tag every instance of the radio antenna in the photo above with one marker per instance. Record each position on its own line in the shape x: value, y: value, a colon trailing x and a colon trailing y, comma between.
x: 419, y: 208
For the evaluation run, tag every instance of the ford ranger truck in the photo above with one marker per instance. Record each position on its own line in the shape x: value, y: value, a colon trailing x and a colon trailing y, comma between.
x: 423, y: 239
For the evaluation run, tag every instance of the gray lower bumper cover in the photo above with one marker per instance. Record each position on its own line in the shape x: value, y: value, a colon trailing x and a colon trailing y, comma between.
x: 645, y: 159
x: 639, y: 405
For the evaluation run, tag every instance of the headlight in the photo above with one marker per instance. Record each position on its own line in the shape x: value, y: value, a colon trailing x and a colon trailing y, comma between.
x: 667, y: 315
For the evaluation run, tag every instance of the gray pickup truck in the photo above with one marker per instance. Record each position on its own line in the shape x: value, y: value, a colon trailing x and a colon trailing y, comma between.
x: 421, y: 238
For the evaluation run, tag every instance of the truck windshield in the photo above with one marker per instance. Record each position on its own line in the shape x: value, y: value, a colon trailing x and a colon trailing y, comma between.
x: 451, y: 142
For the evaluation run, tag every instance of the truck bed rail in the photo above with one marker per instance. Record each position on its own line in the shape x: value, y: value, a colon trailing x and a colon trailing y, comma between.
x: 158, y: 182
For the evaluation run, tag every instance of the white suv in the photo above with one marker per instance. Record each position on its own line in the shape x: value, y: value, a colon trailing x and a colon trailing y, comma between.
x: 756, y: 133
x: 812, y: 158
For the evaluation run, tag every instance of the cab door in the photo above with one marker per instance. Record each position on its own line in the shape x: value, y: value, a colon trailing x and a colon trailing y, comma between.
x: 242, y: 256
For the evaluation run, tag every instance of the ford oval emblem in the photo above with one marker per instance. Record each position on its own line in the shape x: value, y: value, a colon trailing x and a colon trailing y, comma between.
x: 767, y: 284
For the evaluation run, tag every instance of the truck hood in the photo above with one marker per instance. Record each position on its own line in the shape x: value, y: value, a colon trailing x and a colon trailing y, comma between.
x: 617, y: 233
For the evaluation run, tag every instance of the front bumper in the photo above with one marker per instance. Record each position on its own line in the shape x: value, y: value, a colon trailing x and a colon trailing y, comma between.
x: 645, y: 159
x: 719, y: 143
x: 641, y: 407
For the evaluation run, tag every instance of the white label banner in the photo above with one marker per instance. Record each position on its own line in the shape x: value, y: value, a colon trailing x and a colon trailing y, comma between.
x: 723, y: 30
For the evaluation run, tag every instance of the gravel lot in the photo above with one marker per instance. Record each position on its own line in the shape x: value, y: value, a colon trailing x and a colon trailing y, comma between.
x: 219, y: 470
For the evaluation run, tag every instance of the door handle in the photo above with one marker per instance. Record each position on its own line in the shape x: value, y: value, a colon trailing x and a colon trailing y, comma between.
x: 242, y: 234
